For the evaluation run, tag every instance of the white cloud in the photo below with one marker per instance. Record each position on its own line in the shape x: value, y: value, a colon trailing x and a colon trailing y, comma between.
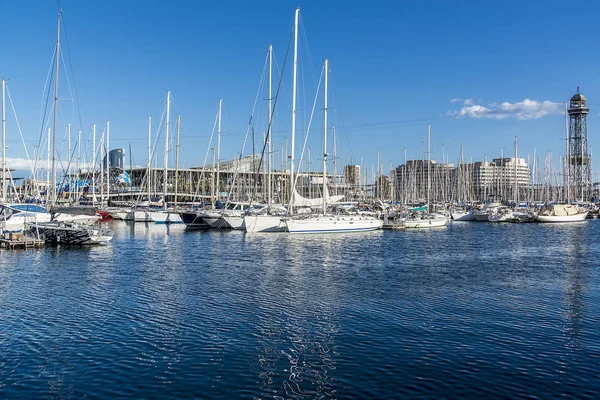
x: 456, y: 100
x: 522, y: 110
x: 468, y: 102
x: 18, y: 163
x: 22, y: 164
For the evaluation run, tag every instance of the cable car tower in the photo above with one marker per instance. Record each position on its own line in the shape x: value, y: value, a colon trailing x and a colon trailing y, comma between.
x: 579, y: 159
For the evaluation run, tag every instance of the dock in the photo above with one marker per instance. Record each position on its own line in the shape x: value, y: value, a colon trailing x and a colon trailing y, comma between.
x: 19, y: 240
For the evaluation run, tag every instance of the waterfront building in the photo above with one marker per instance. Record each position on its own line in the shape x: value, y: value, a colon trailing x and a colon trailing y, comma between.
x: 507, y: 179
x: 504, y: 179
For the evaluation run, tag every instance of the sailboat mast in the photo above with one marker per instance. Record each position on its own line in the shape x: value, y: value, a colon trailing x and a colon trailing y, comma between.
x: 219, y: 147
x: 3, y: 142
x: 270, y: 116
x: 78, y: 168
x: 516, y: 181
x: 325, y: 141
x: 149, y: 155
x: 69, y: 160
x: 107, y: 162
x: 333, y: 161
x: 94, y: 165
x: 48, y: 170
x: 57, y: 62
x: 177, y: 159
x: 428, y: 164
x: 166, y: 159
x: 291, y: 191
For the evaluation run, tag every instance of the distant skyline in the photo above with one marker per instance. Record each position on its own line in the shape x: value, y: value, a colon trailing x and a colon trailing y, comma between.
x: 480, y: 74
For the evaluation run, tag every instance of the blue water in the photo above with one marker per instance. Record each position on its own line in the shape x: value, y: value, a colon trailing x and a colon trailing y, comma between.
x: 476, y: 310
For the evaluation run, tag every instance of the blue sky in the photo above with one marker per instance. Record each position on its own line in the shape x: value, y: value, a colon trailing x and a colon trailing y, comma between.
x: 396, y: 66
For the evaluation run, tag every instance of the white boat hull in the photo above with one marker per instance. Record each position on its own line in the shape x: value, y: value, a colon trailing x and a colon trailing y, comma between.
x: 264, y: 223
x: 333, y: 223
x: 79, y: 219
x: 139, y: 216
x: 428, y: 222
x: 166, y: 217
x: 463, y: 216
x: 234, y: 221
x: 562, y: 218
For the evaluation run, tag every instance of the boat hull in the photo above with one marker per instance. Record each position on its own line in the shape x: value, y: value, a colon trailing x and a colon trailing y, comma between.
x: 61, y: 233
x: 264, y: 223
x: 166, y: 217
x: 333, y: 224
x: 562, y: 218
x: 426, y: 223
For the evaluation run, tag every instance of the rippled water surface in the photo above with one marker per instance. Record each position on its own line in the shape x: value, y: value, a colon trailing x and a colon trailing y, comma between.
x: 472, y: 311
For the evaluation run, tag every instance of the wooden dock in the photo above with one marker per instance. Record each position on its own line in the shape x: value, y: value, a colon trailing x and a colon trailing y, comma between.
x: 20, y: 241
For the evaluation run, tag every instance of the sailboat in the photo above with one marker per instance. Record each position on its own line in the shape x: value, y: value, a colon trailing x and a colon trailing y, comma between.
x: 421, y: 220
x: 267, y: 218
x: 61, y: 231
x: 561, y: 213
x: 326, y: 222
x: 166, y: 216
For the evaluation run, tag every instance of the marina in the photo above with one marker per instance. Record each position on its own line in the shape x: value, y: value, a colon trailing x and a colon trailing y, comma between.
x: 394, y: 201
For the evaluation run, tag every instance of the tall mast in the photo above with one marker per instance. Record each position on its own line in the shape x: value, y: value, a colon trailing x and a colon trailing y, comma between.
x: 428, y: 164
x: 94, y: 165
x: 333, y: 161
x: 78, y: 163
x: 567, y: 178
x: 149, y: 155
x: 107, y: 162
x: 48, y: 171
x: 69, y: 160
x: 325, y: 141
x: 291, y: 191
x: 166, y: 169
x: 102, y: 146
x: 270, y: 116
x: 3, y: 142
x: 177, y: 159
x: 57, y: 62
x: 219, y: 147
x: 516, y: 181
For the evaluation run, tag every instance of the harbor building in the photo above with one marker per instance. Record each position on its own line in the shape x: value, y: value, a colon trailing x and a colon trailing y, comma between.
x: 505, y: 179
x: 419, y: 181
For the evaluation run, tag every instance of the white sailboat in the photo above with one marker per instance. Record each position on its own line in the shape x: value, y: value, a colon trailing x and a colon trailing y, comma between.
x: 429, y: 220
x: 326, y: 222
x: 561, y: 213
x: 168, y: 216
x: 62, y: 231
x: 267, y: 218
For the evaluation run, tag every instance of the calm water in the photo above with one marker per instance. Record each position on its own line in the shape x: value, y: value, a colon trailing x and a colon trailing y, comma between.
x: 494, y: 310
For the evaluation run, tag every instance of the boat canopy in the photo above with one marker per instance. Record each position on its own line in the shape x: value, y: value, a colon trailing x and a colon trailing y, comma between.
x: 559, y: 210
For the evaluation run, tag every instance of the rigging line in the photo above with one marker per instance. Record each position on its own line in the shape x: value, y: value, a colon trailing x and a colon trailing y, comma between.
x: 74, y: 91
x: 46, y: 96
x: 22, y: 139
x: 260, y: 85
x: 276, y: 98
x: 341, y: 114
x: 310, y: 60
x: 312, y: 113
